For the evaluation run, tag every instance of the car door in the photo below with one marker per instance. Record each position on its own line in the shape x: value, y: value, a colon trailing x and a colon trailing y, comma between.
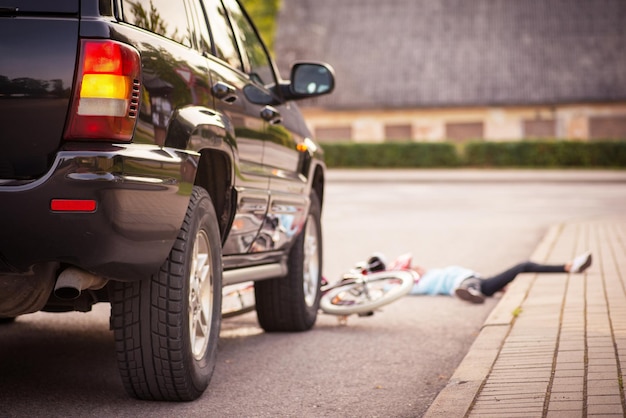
x: 229, y: 82
x: 282, y: 160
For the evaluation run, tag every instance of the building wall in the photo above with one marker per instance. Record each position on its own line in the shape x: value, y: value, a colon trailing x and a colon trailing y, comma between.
x: 579, y: 122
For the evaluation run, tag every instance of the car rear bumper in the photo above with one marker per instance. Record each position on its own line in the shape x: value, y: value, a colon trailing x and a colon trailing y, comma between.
x: 141, y: 195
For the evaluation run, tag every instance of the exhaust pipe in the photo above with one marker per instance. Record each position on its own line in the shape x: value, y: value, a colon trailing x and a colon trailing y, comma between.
x: 73, y: 281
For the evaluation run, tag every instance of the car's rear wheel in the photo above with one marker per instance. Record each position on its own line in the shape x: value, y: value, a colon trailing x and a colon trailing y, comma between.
x: 291, y: 303
x: 166, y: 328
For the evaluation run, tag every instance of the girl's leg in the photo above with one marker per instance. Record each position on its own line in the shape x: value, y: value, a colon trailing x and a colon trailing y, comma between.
x: 491, y: 285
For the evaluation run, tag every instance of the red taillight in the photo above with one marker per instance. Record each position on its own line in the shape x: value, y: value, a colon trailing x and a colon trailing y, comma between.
x: 72, y: 205
x: 106, y: 92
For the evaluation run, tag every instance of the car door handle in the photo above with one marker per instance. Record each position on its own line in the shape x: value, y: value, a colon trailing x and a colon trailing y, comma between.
x: 224, y: 92
x: 271, y: 115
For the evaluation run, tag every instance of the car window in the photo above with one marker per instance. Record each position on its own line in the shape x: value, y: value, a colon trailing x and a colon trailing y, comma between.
x: 258, y: 60
x: 203, y: 37
x: 223, y: 36
x: 163, y: 17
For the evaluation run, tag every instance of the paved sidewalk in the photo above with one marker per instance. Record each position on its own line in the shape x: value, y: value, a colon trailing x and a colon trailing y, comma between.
x: 555, y: 345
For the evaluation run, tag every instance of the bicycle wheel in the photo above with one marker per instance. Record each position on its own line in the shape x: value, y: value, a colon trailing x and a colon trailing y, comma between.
x: 362, y: 295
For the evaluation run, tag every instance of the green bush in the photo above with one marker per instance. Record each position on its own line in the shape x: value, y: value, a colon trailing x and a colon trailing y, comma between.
x: 558, y: 154
x: 530, y: 154
x: 397, y: 155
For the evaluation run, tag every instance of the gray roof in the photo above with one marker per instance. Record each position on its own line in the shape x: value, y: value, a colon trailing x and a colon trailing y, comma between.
x: 434, y: 53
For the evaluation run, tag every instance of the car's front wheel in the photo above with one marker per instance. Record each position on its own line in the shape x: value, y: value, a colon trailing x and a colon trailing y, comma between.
x: 291, y: 303
x: 166, y: 328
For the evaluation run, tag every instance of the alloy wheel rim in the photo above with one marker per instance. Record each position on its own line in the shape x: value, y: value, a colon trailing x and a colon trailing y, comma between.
x: 200, y: 296
x: 311, y: 262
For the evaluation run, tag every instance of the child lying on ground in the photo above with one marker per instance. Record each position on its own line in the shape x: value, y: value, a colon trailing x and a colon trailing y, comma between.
x: 472, y: 287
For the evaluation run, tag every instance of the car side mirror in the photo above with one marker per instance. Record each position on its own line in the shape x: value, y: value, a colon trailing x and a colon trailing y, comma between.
x: 310, y: 80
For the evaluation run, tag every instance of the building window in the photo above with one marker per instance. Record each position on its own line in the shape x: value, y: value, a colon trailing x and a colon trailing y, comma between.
x: 333, y: 134
x: 607, y: 127
x: 460, y: 132
x: 539, y: 128
x: 398, y: 132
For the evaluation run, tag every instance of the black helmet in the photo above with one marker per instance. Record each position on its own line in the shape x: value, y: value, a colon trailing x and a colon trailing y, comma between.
x: 376, y: 263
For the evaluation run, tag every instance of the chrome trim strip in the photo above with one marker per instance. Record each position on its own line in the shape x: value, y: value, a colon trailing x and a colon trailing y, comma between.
x: 255, y: 273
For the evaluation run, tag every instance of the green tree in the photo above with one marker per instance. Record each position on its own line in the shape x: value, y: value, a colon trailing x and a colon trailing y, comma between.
x: 151, y: 20
x: 264, y: 13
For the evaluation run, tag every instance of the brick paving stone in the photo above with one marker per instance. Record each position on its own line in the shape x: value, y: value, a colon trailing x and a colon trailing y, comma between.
x: 604, y: 400
x: 604, y: 383
x: 602, y: 361
x: 520, y: 379
x: 507, y: 410
x: 561, y: 365
x: 569, y: 373
x: 565, y: 389
x: 564, y: 414
x: 534, y: 374
x: 566, y: 396
x: 571, y: 356
x: 512, y: 363
x: 565, y: 405
x: 615, y: 409
x: 600, y: 341
x: 571, y: 345
x: 607, y: 349
x: 559, y: 387
x: 602, y: 369
x: 603, y: 375
x: 603, y: 391
x: 502, y: 402
x: 536, y: 397
x: 516, y: 387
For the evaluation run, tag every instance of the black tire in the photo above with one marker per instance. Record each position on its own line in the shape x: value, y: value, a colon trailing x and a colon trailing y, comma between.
x: 291, y: 303
x: 364, y: 296
x: 167, y: 328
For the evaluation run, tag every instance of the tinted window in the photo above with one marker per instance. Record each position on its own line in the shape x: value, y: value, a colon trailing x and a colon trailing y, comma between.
x: 260, y: 68
x: 202, y: 31
x: 164, y: 17
x: 223, y: 37
x: 106, y: 8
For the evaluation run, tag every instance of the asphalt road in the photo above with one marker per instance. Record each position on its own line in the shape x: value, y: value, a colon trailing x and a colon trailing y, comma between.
x: 391, y: 364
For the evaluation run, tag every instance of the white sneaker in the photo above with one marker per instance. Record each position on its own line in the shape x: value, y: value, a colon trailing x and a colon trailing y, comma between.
x: 581, y: 263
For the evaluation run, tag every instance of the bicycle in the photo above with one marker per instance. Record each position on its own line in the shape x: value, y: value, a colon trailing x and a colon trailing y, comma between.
x: 364, y: 289
x: 368, y: 286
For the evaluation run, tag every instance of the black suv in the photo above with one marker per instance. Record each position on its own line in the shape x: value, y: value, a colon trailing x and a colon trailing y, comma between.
x: 149, y: 155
